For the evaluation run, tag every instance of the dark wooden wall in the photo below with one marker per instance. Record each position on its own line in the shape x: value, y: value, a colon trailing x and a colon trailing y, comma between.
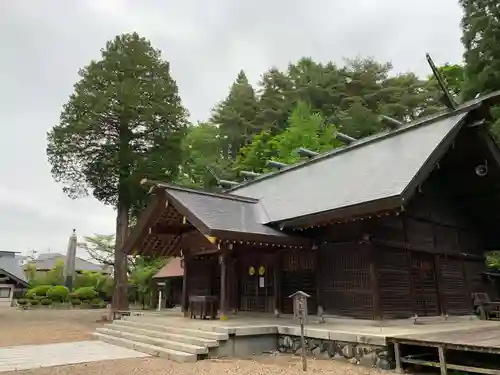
x: 346, y: 288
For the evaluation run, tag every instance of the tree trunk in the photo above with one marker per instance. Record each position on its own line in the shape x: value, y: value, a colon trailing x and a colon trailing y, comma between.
x: 120, y: 293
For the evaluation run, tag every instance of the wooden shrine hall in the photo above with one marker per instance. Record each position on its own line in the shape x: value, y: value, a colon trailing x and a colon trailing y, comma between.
x: 388, y: 227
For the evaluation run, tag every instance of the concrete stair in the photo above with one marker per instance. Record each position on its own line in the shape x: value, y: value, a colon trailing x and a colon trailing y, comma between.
x: 160, y: 340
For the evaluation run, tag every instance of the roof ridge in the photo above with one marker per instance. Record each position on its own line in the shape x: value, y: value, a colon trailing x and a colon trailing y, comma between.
x: 468, y: 106
x: 224, y: 195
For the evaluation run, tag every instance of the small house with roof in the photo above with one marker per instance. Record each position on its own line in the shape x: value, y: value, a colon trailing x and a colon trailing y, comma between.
x: 169, y: 279
x: 48, y: 261
x: 12, y: 279
x: 388, y: 227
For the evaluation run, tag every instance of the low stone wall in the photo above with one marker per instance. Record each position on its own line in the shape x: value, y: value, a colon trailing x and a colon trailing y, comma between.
x: 355, y: 353
x: 246, y: 346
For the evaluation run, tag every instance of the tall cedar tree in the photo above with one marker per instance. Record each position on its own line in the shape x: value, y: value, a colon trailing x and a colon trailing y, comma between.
x: 481, y: 39
x: 123, y: 122
x: 235, y: 117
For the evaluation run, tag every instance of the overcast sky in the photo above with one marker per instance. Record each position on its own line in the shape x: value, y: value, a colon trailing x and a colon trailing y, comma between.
x: 44, y: 43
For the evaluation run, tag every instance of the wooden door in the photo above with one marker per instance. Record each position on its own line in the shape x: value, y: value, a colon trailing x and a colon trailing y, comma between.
x: 424, y: 284
x: 256, y: 284
x: 298, y: 273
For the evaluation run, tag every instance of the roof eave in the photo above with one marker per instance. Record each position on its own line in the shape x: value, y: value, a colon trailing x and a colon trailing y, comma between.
x: 260, y: 238
x: 345, y: 213
x: 153, y: 210
x: 15, y: 278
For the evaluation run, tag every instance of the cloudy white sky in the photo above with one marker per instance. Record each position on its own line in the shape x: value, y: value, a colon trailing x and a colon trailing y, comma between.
x: 44, y: 43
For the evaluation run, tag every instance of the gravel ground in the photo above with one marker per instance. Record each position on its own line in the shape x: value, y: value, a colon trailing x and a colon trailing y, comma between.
x: 45, y: 326
x: 32, y: 327
x: 272, y: 365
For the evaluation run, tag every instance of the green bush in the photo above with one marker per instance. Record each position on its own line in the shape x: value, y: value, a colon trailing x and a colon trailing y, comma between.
x: 58, y: 293
x: 76, y: 302
x: 34, y: 302
x: 38, y: 291
x: 86, y: 293
x: 97, y: 303
x: 22, y: 302
x: 46, y: 302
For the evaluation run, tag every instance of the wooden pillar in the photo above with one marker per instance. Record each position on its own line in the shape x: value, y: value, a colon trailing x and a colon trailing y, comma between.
x: 277, y: 285
x: 223, y: 281
x: 397, y: 357
x: 374, y: 267
x: 442, y: 361
x: 439, y: 285
x: 319, y: 289
x: 185, y: 287
x: 413, y: 295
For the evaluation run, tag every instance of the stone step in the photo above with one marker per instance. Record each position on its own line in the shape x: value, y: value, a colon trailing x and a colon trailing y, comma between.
x: 219, y: 336
x: 199, y: 341
x: 174, y: 345
x: 156, y: 351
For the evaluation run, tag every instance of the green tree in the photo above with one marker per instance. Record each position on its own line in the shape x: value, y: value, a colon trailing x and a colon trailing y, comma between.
x: 202, y: 156
x: 123, y: 122
x: 273, y: 103
x: 305, y: 129
x: 141, y: 277
x: 235, y: 117
x: 55, y: 276
x: 481, y: 39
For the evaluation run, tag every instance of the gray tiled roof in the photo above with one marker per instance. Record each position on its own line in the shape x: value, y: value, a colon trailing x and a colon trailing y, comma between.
x: 48, y: 261
x: 224, y: 212
x: 10, y: 265
x: 368, y: 170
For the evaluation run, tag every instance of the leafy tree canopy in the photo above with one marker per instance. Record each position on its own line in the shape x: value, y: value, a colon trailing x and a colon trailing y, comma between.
x: 123, y: 122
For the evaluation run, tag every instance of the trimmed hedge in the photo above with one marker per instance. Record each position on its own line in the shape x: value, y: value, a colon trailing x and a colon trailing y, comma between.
x: 46, y: 302
x: 58, y: 293
x: 38, y: 291
x: 86, y: 293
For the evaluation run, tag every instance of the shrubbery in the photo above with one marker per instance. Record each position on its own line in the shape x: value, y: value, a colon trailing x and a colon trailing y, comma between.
x: 38, y: 291
x: 58, y: 293
x: 46, y: 302
x: 97, y: 303
x: 76, y: 302
x: 86, y: 293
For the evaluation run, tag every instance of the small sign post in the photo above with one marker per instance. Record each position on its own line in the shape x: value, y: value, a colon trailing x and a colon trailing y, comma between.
x: 160, y: 297
x: 300, y: 313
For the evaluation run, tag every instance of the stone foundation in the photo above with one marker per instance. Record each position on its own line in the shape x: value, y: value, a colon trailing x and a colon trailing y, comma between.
x: 355, y: 353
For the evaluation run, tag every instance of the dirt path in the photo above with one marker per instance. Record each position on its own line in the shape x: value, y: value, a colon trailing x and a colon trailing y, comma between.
x: 270, y: 365
x: 31, y: 327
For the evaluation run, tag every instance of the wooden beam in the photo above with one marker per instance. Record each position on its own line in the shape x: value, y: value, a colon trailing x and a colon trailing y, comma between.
x: 439, y: 285
x: 223, y: 282
x: 413, y: 296
x: 442, y: 361
x: 377, y: 306
x: 147, y: 219
x: 397, y: 357
x: 185, y: 286
x: 277, y: 284
x: 319, y: 289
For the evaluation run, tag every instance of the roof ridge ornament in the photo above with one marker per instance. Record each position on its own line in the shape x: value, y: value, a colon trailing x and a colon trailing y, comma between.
x: 344, y: 138
x: 446, y: 98
x: 302, y: 151
x: 391, y: 122
x: 250, y: 174
x: 276, y: 164
x: 227, y: 183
